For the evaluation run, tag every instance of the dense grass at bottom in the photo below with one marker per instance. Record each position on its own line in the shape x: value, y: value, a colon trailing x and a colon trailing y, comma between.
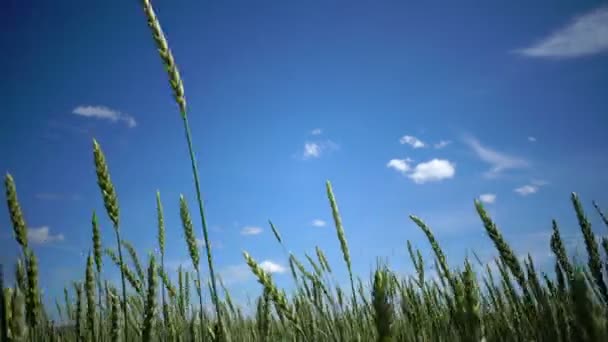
x: 508, y: 301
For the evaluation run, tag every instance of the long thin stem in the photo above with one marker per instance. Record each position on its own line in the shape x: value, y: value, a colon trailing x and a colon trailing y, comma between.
x: 124, y: 287
x: 199, y: 290
x: 201, y: 209
x: 161, y: 247
x: 179, y: 96
x: 99, y: 294
x: 3, y: 308
x: 165, y: 318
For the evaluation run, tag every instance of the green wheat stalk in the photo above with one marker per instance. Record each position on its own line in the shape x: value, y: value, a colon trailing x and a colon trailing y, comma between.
x: 178, y: 94
x: 150, y: 308
x: 558, y: 248
x: 32, y: 299
x: 382, y: 304
x: 15, y: 212
x: 97, y: 253
x: 89, y: 286
x: 111, y: 204
x: 342, y: 238
x: 506, y: 253
x: 595, y: 262
x: 79, y: 309
x: 192, y: 247
x: 161, y: 247
x: 139, y: 270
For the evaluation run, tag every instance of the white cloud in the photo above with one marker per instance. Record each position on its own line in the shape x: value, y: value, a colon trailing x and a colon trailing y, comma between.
x: 531, y: 188
x: 318, y: 223
x: 251, y: 230
x: 433, y: 171
x: 442, y: 143
x: 104, y: 113
x: 487, y: 198
x: 314, y: 149
x: 235, y: 274
x: 498, y: 161
x: 400, y: 165
x: 272, y: 267
x: 585, y: 35
x: 42, y: 235
x: 527, y: 190
x: 412, y: 141
x: 316, y: 131
x: 240, y: 273
x: 531, y: 139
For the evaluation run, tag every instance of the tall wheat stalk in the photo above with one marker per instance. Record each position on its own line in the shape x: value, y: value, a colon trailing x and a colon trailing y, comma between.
x: 89, y: 287
x: 97, y: 253
x: 161, y: 246
x: 178, y: 93
x: 342, y: 238
x: 111, y: 204
x: 27, y: 280
x: 193, y: 249
x: 150, y: 305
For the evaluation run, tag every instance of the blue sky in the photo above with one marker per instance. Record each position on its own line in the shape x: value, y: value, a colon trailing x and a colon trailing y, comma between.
x: 406, y: 108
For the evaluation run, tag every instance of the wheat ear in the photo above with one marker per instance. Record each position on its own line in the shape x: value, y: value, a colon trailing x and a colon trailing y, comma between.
x: 110, y: 201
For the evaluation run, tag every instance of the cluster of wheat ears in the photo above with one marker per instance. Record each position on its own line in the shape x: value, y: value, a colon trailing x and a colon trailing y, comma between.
x: 517, y: 304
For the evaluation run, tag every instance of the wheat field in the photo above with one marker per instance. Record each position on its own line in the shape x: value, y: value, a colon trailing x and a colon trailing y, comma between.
x: 508, y: 301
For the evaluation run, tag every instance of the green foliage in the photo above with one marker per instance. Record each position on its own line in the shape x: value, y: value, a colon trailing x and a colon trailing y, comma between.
x: 468, y: 304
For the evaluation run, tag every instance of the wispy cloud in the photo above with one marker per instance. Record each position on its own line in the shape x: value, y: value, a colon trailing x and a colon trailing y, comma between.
x: 585, y: 35
x: 526, y: 190
x: 42, y: 235
x: 487, y: 198
x: 315, y: 149
x: 433, y: 171
x: 412, y: 141
x: 318, y: 223
x: 272, y: 267
x: 251, y: 230
x: 531, y: 188
x: 499, y: 161
x: 105, y: 113
x: 316, y: 131
x: 539, y: 182
x: 532, y: 139
x: 442, y: 143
